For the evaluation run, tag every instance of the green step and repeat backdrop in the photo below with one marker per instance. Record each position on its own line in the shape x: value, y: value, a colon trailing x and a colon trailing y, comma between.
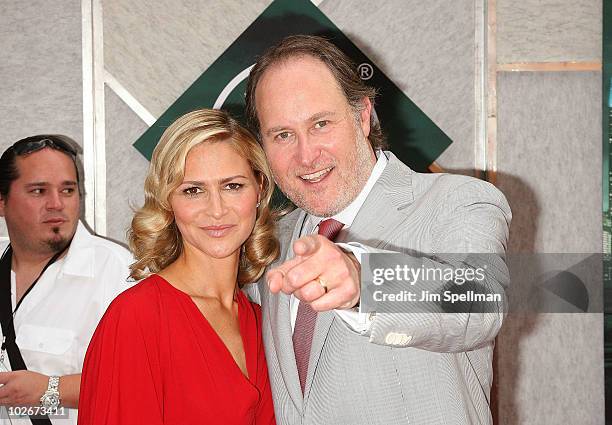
x: 412, y: 136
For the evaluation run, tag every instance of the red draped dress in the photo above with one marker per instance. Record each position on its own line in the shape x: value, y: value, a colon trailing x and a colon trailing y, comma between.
x: 155, y: 359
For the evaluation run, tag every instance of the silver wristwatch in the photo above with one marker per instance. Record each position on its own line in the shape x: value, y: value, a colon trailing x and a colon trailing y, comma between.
x: 51, y: 398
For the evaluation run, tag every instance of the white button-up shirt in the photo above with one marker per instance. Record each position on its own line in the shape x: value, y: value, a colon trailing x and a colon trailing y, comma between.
x: 57, y: 318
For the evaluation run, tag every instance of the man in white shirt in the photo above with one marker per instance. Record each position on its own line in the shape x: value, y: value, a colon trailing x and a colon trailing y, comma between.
x: 58, y: 277
x: 329, y: 363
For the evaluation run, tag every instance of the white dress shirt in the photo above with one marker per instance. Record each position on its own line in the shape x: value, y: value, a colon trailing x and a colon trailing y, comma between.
x: 57, y: 318
x: 359, y: 322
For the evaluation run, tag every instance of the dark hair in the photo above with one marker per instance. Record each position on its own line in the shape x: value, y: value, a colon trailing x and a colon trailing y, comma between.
x: 341, y: 66
x: 23, y: 147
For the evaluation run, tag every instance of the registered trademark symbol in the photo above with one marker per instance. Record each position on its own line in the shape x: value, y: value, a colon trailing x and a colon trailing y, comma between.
x: 365, y: 71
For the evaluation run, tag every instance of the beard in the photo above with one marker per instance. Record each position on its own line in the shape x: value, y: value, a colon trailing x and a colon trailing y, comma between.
x: 353, y: 177
x: 58, y: 242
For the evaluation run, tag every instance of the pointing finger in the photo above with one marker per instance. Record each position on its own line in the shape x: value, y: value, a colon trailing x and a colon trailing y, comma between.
x: 275, y: 280
x: 307, y: 245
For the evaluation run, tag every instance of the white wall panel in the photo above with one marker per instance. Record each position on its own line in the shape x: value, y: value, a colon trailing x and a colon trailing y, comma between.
x: 550, y: 367
x: 549, y: 159
x: 157, y: 49
x: 549, y: 30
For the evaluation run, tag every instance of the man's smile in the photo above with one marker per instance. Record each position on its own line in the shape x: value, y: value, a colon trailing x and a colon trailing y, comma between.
x: 316, y: 176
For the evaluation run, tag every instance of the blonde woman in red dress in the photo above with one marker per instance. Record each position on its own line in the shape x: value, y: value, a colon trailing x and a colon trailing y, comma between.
x: 184, y: 345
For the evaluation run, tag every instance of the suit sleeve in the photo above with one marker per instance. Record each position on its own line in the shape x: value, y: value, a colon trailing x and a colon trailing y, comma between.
x: 121, y: 382
x: 470, y: 230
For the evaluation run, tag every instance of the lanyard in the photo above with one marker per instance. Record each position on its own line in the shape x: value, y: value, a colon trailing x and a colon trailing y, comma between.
x: 7, y: 314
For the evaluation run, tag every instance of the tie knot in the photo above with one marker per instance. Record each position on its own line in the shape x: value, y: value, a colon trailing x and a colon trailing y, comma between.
x: 330, y: 228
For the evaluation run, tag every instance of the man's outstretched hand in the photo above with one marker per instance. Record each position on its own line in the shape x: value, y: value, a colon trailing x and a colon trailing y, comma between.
x: 320, y: 274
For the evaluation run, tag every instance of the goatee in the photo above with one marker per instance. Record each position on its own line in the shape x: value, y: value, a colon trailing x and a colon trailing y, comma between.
x: 58, y: 243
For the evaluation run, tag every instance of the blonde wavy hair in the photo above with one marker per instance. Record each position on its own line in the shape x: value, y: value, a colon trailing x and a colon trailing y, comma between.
x: 154, y: 237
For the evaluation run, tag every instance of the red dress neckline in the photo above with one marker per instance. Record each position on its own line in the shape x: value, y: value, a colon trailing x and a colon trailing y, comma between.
x: 243, y: 303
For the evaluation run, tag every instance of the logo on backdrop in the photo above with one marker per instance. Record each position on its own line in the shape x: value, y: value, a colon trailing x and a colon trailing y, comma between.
x: 365, y: 71
x: 412, y: 136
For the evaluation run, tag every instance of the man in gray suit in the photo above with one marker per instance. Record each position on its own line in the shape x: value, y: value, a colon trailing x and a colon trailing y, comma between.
x: 329, y: 363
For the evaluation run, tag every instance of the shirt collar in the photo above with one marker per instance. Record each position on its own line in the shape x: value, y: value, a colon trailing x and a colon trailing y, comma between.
x: 347, y: 215
x: 79, y: 259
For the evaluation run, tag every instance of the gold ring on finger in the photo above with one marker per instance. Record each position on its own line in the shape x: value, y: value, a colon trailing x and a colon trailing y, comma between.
x: 322, y: 283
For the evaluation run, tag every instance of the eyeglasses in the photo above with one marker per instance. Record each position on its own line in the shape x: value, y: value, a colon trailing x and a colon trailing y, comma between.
x: 36, y: 143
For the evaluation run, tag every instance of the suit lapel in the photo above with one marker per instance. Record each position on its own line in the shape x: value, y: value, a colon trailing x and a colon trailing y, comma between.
x: 392, y: 193
x: 280, y: 316
x: 393, y: 190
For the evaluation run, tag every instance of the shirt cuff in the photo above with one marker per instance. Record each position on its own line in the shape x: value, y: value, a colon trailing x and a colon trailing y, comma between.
x: 354, y: 248
x: 359, y: 322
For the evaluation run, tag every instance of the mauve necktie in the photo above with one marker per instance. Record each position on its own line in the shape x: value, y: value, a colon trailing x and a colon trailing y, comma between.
x: 306, y: 316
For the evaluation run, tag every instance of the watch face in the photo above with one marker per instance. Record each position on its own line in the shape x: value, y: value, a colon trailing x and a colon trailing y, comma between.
x: 50, y: 401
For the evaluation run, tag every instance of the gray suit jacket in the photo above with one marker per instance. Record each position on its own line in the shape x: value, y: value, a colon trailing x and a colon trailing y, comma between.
x: 415, y: 368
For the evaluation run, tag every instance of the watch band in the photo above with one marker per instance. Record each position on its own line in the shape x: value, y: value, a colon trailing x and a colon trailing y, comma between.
x: 53, y: 383
x: 51, y: 397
